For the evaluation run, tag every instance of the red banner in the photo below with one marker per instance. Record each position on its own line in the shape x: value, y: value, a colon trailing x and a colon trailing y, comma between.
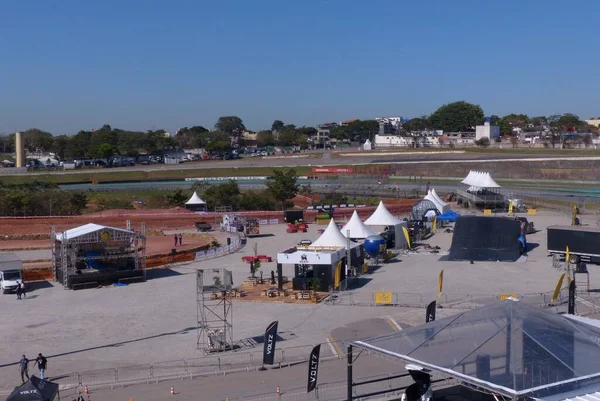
x: 332, y: 170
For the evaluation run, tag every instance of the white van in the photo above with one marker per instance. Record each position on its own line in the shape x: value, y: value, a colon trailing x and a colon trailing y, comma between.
x: 11, y: 267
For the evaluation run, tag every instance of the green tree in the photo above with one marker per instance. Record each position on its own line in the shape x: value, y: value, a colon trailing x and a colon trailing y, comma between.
x: 193, y: 137
x: 226, y: 194
x: 104, y: 151
x: 457, y: 117
x: 569, y: 121
x: 282, y: 185
x: 277, y: 126
x: 176, y: 198
x: 231, y: 125
x: 265, y: 138
x: 416, y: 125
x: 36, y: 140
x: 483, y: 142
x: 60, y: 145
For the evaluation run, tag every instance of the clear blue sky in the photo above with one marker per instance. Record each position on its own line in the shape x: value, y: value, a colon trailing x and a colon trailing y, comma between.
x: 143, y: 64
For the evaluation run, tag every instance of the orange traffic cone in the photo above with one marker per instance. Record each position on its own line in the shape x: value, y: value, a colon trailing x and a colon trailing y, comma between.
x: 85, y: 390
x: 172, y: 390
x: 130, y: 398
x: 278, y: 391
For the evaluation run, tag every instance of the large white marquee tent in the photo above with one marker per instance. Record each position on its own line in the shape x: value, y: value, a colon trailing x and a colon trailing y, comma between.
x: 480, y: 179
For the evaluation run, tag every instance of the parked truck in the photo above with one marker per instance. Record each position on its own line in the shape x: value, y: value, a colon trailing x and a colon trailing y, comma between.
x: 11, y: 267
x: 583, y: 243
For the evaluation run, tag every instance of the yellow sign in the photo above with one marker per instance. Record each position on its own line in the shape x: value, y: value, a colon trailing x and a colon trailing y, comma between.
x: 406, y: 236
x: 441, y: 283
x: 532, y: 212
x: 434, y: 225
x: 365, y: 268
x: 488, y: 212
x: 557, y: 289
x: 502, y: 297
x: 568, y: 256
x: 338, y: 274
x: 383, y: 298
x: 105, y: 236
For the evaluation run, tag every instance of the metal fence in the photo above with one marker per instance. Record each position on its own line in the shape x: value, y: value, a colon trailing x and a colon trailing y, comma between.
x: 236, y: 244
x: 189, y: 368
x: 458, y: 301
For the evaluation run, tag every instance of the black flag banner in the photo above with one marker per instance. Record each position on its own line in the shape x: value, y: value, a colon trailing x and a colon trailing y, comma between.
x: 270, y: 342
x: 571, y: 308
x: 430, y: 312
x: 313, y: 368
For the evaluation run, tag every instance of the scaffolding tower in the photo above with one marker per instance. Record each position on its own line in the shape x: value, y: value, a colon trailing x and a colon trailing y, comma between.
x: 214, y: 310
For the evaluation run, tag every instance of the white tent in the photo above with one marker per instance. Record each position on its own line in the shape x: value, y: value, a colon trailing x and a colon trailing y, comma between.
x: 195, y: 203
x: 382, y: 217
x: 367, y: 145
x: 480, y: 179
x: 436, y: 196
x: 357, y: 228
x: 331, y: 237
x: 440, y: 205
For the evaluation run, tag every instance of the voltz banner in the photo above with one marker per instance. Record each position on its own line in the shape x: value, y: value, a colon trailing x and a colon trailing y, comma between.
x: 313, y: 368
x: 270, y: 342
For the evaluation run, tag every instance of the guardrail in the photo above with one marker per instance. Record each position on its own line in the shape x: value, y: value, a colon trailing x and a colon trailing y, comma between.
x: 236, y: 244
x: 212, y: 365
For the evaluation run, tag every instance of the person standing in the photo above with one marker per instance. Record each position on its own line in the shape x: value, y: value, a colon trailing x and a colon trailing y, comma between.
x: 23, y: 293
x: 176, y: 238
x: 180, y: 239
x: 24, y: 368
x: 41, y: 363
x: 19, y: 289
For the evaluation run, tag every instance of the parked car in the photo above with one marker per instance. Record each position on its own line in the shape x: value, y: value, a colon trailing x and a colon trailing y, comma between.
x: 8, y: 163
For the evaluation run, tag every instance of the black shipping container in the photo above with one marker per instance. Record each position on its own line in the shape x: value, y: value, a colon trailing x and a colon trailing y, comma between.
x: 582, y: 241
x: 291, y: 216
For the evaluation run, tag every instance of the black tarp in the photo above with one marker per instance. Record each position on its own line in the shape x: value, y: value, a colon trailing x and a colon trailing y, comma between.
x: 35, y: 389
x: 481, y: 238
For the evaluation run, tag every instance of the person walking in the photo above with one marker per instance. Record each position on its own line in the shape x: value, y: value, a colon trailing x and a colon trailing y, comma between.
x: 180, y: 239
x: 24, y: 368
x: 41, y: 363
x: 80, y: 397
x: 19, y: 289
x: 23, y: 293
x: 176, y: 238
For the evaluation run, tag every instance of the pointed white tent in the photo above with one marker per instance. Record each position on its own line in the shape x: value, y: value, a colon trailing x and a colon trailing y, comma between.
x: 357, y: 228
x: 195, y: 203
x: 382, y: 217
x: 436, y: 196
x: 440, y: 205
x: 331, y: 237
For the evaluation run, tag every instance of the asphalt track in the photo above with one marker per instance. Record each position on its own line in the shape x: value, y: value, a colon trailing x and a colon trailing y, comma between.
x: 326, y: 159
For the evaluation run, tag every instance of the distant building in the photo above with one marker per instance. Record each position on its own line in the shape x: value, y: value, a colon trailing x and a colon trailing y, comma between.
x: 488, y: 131
x: 386, y: 141
x: 167, y: 134
x: 394, y: 121
x: 347, y: 122
x: 593, y: 121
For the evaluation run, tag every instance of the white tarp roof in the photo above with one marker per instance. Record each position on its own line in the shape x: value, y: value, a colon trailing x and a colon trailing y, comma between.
x: 439, y: 203
x: 357, y: 228
x: 480, y: 179
x: 195, y: 200
x: 87, y: 229
x: 382, y: 217
x: 331, y: 237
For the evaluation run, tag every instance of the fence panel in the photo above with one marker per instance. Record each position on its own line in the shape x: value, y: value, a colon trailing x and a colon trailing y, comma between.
x: 169, y: 368
x: 298, y: 354
x: 102, y: 376
x: 68, y: 381
x: 235, y: 360
x: 202, y: 365
x: 134, y: 372
x: 409, y: 299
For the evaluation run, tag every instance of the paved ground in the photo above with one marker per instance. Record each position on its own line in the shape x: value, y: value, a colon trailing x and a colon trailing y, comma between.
x: 156, y: 320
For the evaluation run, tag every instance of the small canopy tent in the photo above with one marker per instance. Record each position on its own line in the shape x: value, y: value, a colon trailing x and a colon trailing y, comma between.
x: 440, y: 205
x: 357, y: 228
x: 195, y: 204
x: 34, y: 389
x: 449, y: 215
x: 438, y: 199
x: 382, y: 217
x: 331, y: 238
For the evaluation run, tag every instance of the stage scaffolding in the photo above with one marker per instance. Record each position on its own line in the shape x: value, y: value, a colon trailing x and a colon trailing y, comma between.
x: 127, y: 244
x: 214, y: 310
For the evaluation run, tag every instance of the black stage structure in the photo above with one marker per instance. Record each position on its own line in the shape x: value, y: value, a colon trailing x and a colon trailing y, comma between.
x: 93, y: 255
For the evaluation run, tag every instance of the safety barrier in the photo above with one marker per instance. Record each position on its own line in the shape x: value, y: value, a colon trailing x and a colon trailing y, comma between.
x: 236, y: 244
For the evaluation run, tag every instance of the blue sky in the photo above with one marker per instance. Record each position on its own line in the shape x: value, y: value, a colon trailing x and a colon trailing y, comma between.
x: 143, y: 64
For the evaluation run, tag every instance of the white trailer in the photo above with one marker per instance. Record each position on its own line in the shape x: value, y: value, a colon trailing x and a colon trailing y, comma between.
x: 11, y: 267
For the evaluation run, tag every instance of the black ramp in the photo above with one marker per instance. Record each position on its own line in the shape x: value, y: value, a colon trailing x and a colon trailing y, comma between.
x: 481, y: 238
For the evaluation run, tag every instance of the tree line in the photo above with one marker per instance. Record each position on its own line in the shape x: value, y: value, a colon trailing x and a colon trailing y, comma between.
x: 40, y: 199
x: 107, y: 141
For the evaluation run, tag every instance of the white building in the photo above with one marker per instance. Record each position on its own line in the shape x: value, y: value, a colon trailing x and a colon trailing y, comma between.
x: 487, y: 131
x: 394, y: 121
x: 383, y: 141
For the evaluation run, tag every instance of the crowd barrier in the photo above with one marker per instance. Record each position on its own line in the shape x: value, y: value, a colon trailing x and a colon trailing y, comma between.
x: 236, y: 244
x: 189, y: 368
